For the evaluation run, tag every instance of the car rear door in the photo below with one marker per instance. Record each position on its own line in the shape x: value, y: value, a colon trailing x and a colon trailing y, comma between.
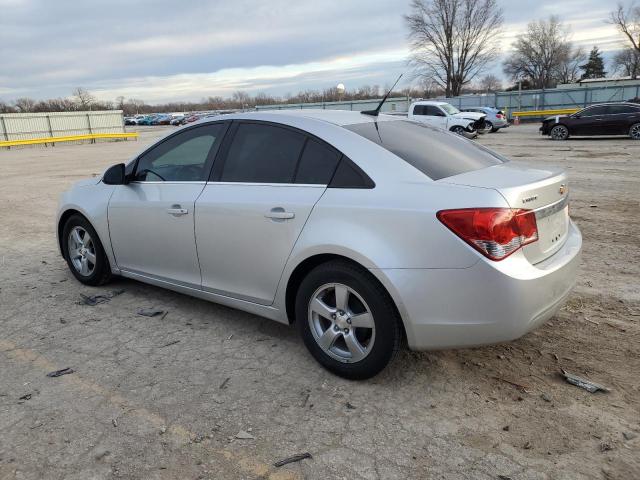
x: 264, y: 185
x: 151, y: 219
x: 621, y: 117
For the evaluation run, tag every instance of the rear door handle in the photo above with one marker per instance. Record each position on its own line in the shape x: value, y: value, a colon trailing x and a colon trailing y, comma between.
x: 278, y: 213
x: 177, y: 210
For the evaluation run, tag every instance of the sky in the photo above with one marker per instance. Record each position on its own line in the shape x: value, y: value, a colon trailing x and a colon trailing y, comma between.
x: 182, y: 50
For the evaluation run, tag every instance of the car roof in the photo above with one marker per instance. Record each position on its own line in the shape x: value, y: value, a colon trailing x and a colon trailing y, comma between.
x: 335, y: 117
x: 430, y: 102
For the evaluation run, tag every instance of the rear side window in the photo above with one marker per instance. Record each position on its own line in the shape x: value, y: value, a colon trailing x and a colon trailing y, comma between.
x: 617, y: 109
x: 262, y: 154
x: 317, y: 164
x: 436, y: 153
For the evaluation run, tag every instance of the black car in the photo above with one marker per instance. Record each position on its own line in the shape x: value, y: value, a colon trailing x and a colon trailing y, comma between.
x: 620, y: 118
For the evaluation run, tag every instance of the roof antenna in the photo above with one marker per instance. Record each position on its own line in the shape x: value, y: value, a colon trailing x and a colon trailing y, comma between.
x: 376, y: 112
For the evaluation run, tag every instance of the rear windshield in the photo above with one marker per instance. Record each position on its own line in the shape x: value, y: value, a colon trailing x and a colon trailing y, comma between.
x: 436, y: 153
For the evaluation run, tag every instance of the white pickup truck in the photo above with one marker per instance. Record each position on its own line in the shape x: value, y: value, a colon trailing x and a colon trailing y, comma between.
x: 446, y: 116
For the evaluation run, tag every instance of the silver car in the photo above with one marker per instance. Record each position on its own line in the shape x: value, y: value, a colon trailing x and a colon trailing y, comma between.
x: 361, y: 230
x: 495, y: 119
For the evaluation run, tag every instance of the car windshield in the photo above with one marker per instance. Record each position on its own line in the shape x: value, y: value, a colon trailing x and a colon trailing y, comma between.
x: 436, y: 153
x: 450, y: 109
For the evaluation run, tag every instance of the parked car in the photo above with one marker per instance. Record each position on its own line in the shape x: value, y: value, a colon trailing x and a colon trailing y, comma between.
x: 359, y: 229
x: 494, y: 120
x: 161, y: 119
x: 146, y: 120
x: 446, y: 116
x: 178, y: 120
x: 130, y: 121
x: 622, y: 118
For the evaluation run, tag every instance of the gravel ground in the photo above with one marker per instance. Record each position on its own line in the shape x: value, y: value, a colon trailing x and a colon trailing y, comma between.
x: 167, y: 397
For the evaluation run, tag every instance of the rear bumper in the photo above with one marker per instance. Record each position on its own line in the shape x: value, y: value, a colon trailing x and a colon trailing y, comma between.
x: 487, y: 303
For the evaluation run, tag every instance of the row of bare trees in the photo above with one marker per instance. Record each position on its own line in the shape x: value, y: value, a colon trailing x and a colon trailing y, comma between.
x: 454, y: 41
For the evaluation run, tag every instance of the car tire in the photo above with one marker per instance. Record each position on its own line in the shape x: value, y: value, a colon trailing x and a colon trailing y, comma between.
x: 634, y: 131
x: 488, y: 126
x: 84, y: 252
x: 347, y: 320
x: 457, y: 129
x: 559, y: 132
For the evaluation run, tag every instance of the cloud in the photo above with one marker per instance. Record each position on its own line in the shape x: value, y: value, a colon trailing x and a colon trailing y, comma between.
x: 161, y: 50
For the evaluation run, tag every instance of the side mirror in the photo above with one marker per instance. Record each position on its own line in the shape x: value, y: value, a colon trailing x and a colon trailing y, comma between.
x: 114, y: 175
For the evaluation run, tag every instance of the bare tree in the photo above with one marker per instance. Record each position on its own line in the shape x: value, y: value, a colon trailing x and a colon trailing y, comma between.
x: 452, y: 41
x: 25, y: 105
x: 83, y: 98
x: 627, y: 21
x: 627, y: 62
x: 568, y: 70
x: 540, y: 53
x: 490, y: 83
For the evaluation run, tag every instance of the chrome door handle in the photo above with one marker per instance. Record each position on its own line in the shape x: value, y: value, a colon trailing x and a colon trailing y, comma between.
x: 279, y: 213
x: 177, y: 210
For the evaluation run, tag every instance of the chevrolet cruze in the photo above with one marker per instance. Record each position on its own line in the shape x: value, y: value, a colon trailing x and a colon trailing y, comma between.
x: 362, y: 230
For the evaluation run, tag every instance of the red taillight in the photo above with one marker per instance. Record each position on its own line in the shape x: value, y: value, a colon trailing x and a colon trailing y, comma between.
x: 494, y: 232
x: 499, y: 115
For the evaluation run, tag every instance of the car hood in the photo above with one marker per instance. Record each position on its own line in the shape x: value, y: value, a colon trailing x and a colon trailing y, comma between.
x: 470, y: 115
x: 88, y: 182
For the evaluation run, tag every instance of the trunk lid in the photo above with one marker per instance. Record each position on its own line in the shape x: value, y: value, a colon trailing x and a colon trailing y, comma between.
x: 544, y: 191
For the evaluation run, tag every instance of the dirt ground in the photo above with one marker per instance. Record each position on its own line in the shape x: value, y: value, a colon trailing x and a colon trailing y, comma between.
x: 163, y: 398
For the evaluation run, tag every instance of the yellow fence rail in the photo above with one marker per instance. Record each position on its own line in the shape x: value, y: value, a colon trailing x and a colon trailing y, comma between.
x: 69, y: 138
x: 544, y: 113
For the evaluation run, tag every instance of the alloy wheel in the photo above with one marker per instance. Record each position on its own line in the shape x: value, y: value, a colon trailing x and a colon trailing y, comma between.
x: 559, y: 132
x: 82, y: 251
x: 341, y: 322
x: 634, y: 132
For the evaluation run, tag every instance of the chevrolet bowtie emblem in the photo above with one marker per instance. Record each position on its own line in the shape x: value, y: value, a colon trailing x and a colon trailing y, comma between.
x: 563, y: 188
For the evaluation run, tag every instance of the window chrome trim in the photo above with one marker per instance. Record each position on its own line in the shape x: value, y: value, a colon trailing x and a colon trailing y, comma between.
x: 170, y: 182
x: 266, y: 184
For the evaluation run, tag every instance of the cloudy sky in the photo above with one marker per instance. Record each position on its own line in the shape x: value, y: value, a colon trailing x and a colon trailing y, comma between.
x: 162, y: 50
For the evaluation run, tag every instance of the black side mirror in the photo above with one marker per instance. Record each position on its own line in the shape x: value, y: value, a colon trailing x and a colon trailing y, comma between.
x: 114, y: 175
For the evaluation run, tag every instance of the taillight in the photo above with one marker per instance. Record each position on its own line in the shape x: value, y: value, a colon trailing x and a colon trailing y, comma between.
x: 494, y: 232
x: 498, y: 115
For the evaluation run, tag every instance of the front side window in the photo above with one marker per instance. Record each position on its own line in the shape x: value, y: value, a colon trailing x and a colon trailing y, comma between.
x: 595, y: 111
x: 263, y: 154
x: 184, y: 157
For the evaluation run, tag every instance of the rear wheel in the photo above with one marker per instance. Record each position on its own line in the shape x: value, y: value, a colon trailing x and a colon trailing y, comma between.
x: 489, y: 127
x: 634, y: 131
x: 84, y: 252
x: 347, y: 320
x: 559, y: 132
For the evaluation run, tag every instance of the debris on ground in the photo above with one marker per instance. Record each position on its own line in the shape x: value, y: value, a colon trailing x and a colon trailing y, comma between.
x: 170, y: 343
x: 629, y: 435
x: 224, y: 383
x: 151, y: 312
x: 114, y: 421
x: 505, y: 428
x: 163, y: 430
x: 349, y: 406
x: 605, y: 447
x: 545, y: 397
x: 522, y: 388
x: 527, y: 446
x: 292, y: 459
x: 93, y: 300
x: 26, y: 397
x: 242, y: 435
x: 59, y: 373
x: 588, y: 385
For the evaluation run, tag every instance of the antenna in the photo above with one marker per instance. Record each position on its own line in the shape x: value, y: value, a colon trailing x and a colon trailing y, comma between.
x: 376, y: 112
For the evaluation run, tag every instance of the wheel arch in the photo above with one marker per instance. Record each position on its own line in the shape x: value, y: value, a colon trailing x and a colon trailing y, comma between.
x: 309, y: 263
x: 64, y: 216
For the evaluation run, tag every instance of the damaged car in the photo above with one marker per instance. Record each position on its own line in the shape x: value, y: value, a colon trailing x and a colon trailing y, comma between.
x: 446, y: 116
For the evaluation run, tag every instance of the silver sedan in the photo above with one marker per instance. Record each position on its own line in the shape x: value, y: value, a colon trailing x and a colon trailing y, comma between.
x: 361, y: 230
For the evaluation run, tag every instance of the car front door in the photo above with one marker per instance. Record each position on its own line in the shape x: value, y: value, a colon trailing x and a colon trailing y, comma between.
x: 264, y: 185
x: 589, y: 122
x: 151, y: 218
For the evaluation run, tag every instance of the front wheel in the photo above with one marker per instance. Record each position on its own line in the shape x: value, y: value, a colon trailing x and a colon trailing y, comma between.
x: 559, y: 132
x: 634, y: 131
x: 84, y: 252
x: 458, y: 130
x: 347, y: 320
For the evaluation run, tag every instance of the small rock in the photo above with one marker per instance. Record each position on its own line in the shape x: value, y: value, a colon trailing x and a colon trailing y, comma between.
x: 545, y: 397
x: 505, y: 428
x: 350, y: 406
x: 114, y: 421
x: 629, y: 435
x: 163, y: 430
x: 605, y: 447
x: 242, y: 435
x: 527, y: 446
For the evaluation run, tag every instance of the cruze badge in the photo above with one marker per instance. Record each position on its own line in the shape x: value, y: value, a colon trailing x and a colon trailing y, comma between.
x: 563, y: 188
